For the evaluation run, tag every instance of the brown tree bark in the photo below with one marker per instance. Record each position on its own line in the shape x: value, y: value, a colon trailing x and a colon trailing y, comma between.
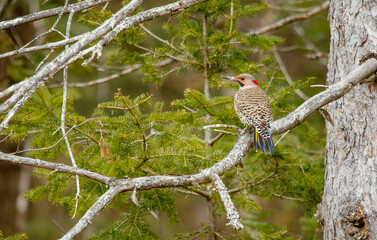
x: 349, y: 205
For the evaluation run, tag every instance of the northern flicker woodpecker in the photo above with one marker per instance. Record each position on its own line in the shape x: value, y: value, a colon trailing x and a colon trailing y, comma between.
x: 253, y: 109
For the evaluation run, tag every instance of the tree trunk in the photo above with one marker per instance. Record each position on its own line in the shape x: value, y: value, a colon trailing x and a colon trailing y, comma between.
x: 349, y: 205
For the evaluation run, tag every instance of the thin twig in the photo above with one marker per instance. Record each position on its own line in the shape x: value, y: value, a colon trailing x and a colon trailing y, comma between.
x: 223, y: 126
x: 198, y: 191
x: 290, y: 19
x: 65, y: 58
x: 188, y: 109
x: 58, y: 225
x: 332, y: 93
x: 101, y: 203
x: 159, y: 39
x: 215, y: 139
x: 288, y: 198
x: 289, y: 8
x: 52, y: 29
x: 219, y: 235
x: 235, y: 156
x: 189, y: 192
x: 53, y: 145
x: 76, y: 7
x: 108, y: 29
x: 127, y: 70
x: 63, y: 113
x: 241, y: 147
x: 120, y: 224
x: 44, y: 59
x: 168, y: 72
x: 300, y: 31
x: 282, y: 137
x: 237, y: 189
x: 287, y: 76
x: 5, y: 138
x: 225, y: 132
x: 46, y: 46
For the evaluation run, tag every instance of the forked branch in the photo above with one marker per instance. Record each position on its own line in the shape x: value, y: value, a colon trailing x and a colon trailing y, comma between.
x: 108, y: 30
x: 235, y: 156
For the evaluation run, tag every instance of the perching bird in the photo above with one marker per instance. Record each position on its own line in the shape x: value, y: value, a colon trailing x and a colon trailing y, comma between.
x: 253, y: 109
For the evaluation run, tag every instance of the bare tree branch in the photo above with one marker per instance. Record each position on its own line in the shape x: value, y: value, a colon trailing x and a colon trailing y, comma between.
x: 61, y: 61
x: 56, y: 167
x: 159, y: 39
x: 127, y: 70
x: 19, y: 98
x: 169, y: 9
x: 231, y: 211
x: 100, y: 204
x: 111, y: 27
x: 332, y: 93
x: 7, y: 136
x: 11, y: 89
x: 76, y: 7
x: 215, y: 139
x: 46, y: 46
x: 52, y: 29
x: 57, y: 142
x: 223, y: 126
x: 290, y: 19
x: 287, y: 197
x: 109, y: 30
x: 71, y: 55
x: 293, y: 119
x: 235, y: 156
x: 62, y: 115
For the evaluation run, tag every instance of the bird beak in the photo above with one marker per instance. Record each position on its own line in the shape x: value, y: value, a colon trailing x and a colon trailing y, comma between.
x: 229, y: 78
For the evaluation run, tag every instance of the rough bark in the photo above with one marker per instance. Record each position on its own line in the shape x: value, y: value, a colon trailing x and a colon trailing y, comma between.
x: 348, y: 209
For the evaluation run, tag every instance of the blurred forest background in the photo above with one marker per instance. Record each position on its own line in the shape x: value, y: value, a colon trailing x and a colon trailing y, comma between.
x: 296, y: 52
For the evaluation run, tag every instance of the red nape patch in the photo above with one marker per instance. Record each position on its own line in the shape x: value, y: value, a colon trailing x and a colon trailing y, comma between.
x: 255, y: 81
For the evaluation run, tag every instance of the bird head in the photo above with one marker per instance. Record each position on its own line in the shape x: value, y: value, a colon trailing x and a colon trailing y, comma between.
x: 244, y: 80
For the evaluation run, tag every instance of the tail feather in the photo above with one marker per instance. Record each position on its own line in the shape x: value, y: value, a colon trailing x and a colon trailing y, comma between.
x: 270, y: 145
x: 263, y: 143
x: 256, y: 140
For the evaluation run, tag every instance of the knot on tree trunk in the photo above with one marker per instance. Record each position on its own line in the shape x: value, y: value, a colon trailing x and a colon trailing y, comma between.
x: 355, y: 225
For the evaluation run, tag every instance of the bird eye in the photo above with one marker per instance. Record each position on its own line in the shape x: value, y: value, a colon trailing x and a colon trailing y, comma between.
x: 242, y: 78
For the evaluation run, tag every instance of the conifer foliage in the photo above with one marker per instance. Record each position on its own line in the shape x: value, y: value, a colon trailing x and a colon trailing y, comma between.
x: 142, y: 136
